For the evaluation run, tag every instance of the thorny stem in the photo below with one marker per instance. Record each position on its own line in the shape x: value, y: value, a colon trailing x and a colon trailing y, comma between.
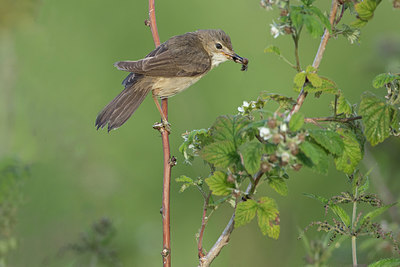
x: 223, y: 239
x: 353, y: 237
x: 166, y: 251
x: 318, y: 58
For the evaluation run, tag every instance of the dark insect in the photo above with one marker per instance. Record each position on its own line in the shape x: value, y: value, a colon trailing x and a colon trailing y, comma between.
x: 244, y: 64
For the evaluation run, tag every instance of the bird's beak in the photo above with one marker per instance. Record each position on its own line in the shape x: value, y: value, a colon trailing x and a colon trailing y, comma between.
x: 238, y: 59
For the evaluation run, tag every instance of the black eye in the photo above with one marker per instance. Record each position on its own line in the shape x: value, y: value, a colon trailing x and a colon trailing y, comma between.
x: 218, y: 46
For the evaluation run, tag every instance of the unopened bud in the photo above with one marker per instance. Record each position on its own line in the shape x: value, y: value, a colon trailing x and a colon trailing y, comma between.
x: 301, y: 137
x: 276, y: 138
x: 284, y: 13
x: 297, y: 166
x: 273, y: 158
x: 272, y: 123
x: 230, y: 178
x: 265, y: 167
x: 288, y: 30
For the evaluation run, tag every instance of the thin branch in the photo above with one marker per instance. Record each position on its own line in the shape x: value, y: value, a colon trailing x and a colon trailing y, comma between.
x: 318, y: 58
x: 203, y: 226
x: 226, y: 233
x: 327, y: 119
x: 353, y: 222
x: 168, y: 161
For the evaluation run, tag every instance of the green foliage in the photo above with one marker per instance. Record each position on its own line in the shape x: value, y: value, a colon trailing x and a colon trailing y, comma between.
x: 219, y: 185
x: 383, y: 79
x: 221, y: 154
x: 365, y: 12
x: 377, y: 117
x: 343, y: 105
x: 351, y: 156
x: 278, y: 184
x: 267, y: 213
x: 376, y: 212
x: 329, y: 140
x: 309, y: 16
x: 252, y: 152
x: 395, y: 262
x: 186, y: 182
x: 296, y: 122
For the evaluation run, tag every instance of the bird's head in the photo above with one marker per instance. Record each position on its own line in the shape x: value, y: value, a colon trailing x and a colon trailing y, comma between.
x: 218, y: 45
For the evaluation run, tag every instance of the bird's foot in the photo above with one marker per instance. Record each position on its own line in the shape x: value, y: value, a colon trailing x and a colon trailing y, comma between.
x: 163, y: 126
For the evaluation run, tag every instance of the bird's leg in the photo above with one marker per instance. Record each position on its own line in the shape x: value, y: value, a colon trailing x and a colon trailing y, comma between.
x: 165, y: 123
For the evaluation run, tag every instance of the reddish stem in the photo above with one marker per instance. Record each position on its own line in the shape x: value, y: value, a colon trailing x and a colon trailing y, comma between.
x: 166, y: 252
x: 203, y: 226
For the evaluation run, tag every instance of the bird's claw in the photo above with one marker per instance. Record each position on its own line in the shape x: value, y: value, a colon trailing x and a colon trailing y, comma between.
x: 162, y: 126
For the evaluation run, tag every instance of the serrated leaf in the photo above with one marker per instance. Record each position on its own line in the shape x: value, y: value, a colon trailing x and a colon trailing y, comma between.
x: 273, y: 49
x: 296, y: 17
x: 316, y: 197
x: 324, y: 19
x: 296, y: 122
x: 314, y: 79
x: 358, y: 23
x: 384, y: 78
x: 222, y: 154
x: 351, y: 156
x: 218, y: 184
x: 245, y: 212
x: 328, y: 86
x: 252, y: 153
x: 329, y: 140
x: 365, y: 9
x: 310, y: 69
x: 279, y: 185
x: 184, y: 179
x: 376, y: 116
x: 321, y: 167
x: 299, y: 79
x: 283, y: 101
x: 376, y: 212
x: 343, y: 105
x: 313, y: 26
x: 311, y: 151
x: 268, y: 217
x: 394, y: 262
x: 227, y: 128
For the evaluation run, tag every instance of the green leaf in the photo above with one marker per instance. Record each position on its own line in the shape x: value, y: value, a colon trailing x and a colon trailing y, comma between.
x: 300, y: 78
x: 382, y: 79
x: 327, y: 86
x: 245, y: 212
x: 252, y: 152
x: 314, y: 79
x: 296, y: 17
x: 359, y: 23
x: 394, y: 262
x: 219, y: 185
x: 329, y: 140
x: 324, y: 19
x: 310, y: 69
x: 376, y: 212
x: 222, y: 154
x: 279, y: 185
x: 365, y: 9
x: 376, y: 116
x: 311, y: 151
x: 227, y: 128
x: 296, y: 122
x: 313, y: 26
x: 187, y: 182
x: 351, y: 156
x: 268, y: 217
x: 343, y: 105
x: 273, y: 49
x: 283, y: 101
x: 316, y: 197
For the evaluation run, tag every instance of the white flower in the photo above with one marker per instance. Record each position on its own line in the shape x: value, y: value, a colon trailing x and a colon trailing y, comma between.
x: 265, y: 133
x: 274, y: 31
x: 246, y: 104
x: 285, y: 157
x: 283, y: 127
x: 241, y: 109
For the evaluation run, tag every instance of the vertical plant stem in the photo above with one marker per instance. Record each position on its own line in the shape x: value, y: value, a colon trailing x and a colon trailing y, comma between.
x: 353, y: 237
x: 166, y: 252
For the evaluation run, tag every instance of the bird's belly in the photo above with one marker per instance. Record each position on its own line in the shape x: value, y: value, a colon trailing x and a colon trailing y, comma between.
x: 167, y: 87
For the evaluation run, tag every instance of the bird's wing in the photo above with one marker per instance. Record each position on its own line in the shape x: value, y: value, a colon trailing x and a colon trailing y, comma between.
x: 180, y: 56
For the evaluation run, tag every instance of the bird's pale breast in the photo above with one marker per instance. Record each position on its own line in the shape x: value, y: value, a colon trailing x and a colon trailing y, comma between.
x: 170, y: 86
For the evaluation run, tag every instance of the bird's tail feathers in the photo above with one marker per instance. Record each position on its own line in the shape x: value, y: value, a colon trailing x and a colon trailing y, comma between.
x: 121, y: 108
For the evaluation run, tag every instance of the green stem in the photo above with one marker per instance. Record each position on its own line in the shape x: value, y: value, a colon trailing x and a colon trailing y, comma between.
x: 296, y: 50
x: 353, y: 237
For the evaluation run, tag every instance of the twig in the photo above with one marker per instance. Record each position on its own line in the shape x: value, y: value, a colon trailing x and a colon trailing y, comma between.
x: 224, y: 237
x: 322, y: 119
x: 168, y: 161
x: 318, y: 58
x: 353, y: 224
x: 203, y: 226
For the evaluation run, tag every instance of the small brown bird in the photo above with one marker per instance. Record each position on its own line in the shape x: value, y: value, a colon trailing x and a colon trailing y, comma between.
x: 169, y: 69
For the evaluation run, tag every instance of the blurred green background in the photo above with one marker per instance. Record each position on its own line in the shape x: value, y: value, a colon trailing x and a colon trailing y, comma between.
x: 56, y: 74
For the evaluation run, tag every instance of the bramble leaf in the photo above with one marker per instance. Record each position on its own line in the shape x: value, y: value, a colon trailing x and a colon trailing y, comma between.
x: 376, y: 116
x: 268, y: 217
x: 329, y: 140
x: 273, y: 49
x: 299, y: 79
x: 227, y: 128
x: 252, y: 152
x: 384, y: 78
x: 279, y: 185
x: 296, y: 122
x: 218, y: 184
x: 314, y: 79
x: 311, y: 151
x: 343, y: 105
x: 393, y: 262
x: 221, y: 154
x: 348, y: 161
x: 245, y: 212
